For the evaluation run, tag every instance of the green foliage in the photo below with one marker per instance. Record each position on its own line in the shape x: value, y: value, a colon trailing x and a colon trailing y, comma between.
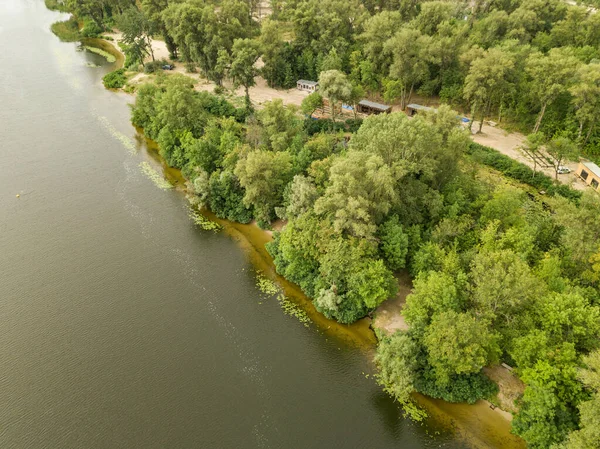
x: 397, y: 361
x: 521, y: 172
x: 467, y: 388
x: 115, y: 79
x: 459, y: 343
x: 393, y: 243
x: 263, y: 175
x: 499, y: 273
x: 67, y: 30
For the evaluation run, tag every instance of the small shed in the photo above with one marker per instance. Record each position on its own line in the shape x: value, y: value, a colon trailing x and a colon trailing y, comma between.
x: 589, y: 173
x: 370, y: 107
x: 307, y: 86
x: 414, y: 109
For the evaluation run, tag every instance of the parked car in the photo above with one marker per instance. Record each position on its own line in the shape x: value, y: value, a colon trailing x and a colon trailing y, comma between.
x: 168, y: 67
x: 563, y: 170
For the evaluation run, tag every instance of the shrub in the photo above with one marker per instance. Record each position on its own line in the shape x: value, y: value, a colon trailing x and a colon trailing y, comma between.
x: 115, y: 79
x: 91, y: 29
x: 313, y: 126
x: 154, y: 66
x: 467, y: 388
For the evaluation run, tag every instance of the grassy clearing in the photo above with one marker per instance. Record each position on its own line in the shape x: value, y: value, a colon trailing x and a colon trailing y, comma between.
x: 67, y: 30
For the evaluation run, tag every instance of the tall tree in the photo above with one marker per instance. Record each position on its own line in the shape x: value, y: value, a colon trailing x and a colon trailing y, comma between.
x: 586, y: 98
x: 489, y: 79
x: 409, y: 65
x: 551, y: 75
x: 137, y: 31
x: 334, y: 86
x: 243, y: 71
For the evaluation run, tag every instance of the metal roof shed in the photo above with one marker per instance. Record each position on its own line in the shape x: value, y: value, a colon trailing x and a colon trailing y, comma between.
x: 413, y: 108
x: 370, y: 107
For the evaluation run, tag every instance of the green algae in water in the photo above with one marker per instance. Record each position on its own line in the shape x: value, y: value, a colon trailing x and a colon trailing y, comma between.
x: 268, y: 287
x: 126, y: 141
x: 106, y: 55
x: 155, y: 177
x: 203, y: 222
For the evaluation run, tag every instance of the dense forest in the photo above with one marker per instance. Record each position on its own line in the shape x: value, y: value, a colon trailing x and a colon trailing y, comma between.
x: 501, y: 272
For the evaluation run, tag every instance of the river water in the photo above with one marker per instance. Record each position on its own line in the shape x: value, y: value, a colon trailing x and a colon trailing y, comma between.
x: 124, y: 325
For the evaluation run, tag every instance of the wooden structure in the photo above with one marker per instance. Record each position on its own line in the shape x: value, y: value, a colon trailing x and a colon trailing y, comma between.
x: 370, y: 107
x: 414, y: 109
x: 589, y: 173
x: 307, y: 86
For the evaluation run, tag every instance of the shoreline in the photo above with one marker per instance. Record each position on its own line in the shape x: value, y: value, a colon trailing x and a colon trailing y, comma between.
x: 493, y: 426
x: 477, y: 424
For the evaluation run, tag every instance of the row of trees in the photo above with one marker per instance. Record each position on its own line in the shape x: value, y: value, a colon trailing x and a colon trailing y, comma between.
x: 534, y: 63
x: 499, y: 275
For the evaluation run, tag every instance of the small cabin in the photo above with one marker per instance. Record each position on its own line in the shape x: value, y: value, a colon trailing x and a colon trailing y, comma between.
x: 370, y: 107
x: 307, y: 86
x: 589, y: 173
x: 413, y: 109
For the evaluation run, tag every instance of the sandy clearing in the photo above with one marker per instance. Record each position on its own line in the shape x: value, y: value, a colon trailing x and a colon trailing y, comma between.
x: 388, y: 318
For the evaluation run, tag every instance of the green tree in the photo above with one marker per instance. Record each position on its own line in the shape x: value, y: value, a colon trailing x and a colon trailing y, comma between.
x: 531, y: 148
x: 561, y: 149
x: 244, y: 55
x: 586, y: 98
x: 311, y: 103
x: 459, y: 343
x: 393, y: 243
x: 588, y: 435
x: 396, y: 359
x: 408, y: 66
x: 263, y: 175
x: 280, y: 125
x: 433, y: 292
x: 137, y: 32
x: 488, y: 81
x: 550, y: 75
x: 359, y: 195
x: 334, y: 86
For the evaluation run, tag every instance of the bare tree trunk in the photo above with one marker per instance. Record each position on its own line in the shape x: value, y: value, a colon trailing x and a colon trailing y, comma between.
x: 412, y: 86
x: 472, y: 119
x: 538, y: 122
x: 580, y: 129
x: 589, y: 133
x: 149, y: 41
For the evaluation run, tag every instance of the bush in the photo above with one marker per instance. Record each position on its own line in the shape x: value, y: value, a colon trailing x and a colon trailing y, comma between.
x: 521, y: 172
x: 56, y: 5
x: 67, y: 30
x: 91, y: 29
x: 467, y: 388
x: 115, y: 79
x: 312, y: 126
x: 154, y: 66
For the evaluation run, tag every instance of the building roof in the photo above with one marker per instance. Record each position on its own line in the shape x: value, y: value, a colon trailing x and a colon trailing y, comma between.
x: 419, y: 107
x: 310, y: 83
x: 373, y: 105
x: 592, y: 167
